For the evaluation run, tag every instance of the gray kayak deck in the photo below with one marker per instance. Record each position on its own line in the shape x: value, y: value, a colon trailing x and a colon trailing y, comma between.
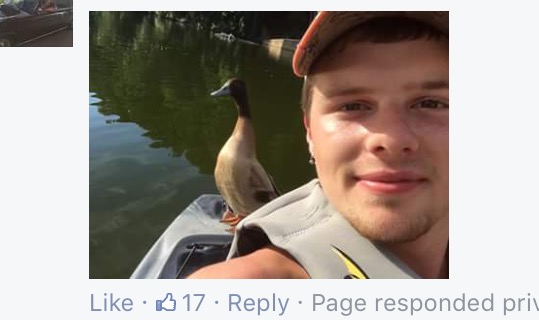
x: 198, y: 222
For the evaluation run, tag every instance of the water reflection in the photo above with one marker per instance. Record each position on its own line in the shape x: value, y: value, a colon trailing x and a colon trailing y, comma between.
x: 155, y: 132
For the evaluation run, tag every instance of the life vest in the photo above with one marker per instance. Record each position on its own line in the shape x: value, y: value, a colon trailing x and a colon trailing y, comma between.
x: 303, y: 223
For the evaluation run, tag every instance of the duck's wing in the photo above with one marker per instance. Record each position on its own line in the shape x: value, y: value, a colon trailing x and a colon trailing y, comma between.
x: 261, y: 185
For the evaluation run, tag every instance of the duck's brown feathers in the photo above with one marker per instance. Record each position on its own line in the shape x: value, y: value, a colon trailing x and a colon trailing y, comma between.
x: 241, y: 180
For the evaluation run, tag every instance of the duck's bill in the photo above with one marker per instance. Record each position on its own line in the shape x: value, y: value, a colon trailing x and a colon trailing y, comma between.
x: 224, y: 91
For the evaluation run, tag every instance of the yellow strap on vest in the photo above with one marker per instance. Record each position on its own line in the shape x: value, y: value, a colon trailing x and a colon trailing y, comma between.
x: 354, y: 271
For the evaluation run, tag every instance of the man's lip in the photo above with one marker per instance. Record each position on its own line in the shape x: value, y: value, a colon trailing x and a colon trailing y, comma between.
x: 391, y: 176
x: 390, y: 182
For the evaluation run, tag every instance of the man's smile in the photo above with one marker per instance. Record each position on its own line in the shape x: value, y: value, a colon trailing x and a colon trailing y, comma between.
x: 388, y: 181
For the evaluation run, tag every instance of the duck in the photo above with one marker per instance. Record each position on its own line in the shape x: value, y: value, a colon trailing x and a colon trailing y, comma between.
x: 240, y: 178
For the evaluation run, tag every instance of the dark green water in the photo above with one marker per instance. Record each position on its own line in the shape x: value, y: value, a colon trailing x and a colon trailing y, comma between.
x: 155, y: 132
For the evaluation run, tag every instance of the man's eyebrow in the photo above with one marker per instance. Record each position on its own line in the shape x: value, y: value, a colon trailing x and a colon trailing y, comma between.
x: 432, y: 85
x: 337, y: 91
x: 346, y: 91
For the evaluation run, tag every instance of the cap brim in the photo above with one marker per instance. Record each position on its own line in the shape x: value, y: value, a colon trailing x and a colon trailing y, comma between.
x: 329, y: 25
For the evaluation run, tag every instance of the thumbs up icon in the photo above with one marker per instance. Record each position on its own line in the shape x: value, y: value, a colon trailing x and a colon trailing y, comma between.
x: 167, y: 304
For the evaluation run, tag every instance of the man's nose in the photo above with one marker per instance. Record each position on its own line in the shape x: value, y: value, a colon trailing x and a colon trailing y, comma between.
x: 392, y: 135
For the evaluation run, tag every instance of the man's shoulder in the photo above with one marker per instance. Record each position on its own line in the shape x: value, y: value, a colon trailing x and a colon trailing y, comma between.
x: 300, y: 199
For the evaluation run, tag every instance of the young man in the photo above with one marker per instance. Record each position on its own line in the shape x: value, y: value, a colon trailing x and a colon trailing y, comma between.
x: 376, y: 112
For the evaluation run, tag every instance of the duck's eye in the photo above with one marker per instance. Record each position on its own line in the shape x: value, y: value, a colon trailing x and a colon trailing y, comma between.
x: 352, y: 106
x: 431, y: 104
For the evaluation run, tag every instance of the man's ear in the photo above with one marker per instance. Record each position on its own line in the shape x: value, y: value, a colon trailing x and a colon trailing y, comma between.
x: 307, y: 125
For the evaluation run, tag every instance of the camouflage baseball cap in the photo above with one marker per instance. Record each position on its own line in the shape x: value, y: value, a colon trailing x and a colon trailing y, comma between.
x: 329, y: 25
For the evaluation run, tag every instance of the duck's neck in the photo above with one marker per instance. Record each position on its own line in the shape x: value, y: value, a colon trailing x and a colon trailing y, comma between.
x: 243, y: 107
x: 244, y: 131
x: 243, y: 136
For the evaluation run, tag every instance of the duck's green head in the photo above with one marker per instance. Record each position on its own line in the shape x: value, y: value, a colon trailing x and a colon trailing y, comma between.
x: 233, y: 87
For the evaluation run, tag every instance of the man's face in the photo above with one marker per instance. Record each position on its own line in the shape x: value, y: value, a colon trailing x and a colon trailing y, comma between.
x: 379, y: 130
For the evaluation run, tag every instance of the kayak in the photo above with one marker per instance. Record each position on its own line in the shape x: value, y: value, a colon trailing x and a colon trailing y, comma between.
x: 194, y: 239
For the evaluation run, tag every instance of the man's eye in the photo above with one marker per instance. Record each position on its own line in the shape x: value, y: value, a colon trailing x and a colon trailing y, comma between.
x: 354, y: 106
x: 431, y: 104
